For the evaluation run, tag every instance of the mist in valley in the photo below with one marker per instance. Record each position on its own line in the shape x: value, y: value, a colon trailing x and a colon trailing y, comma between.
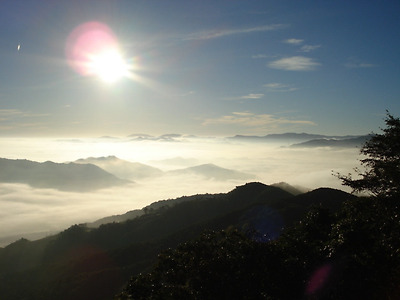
x: 154, y: 168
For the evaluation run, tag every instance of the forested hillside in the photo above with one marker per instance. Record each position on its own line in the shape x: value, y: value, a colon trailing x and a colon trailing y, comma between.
x: 351, y: 254
x: 84, y: 263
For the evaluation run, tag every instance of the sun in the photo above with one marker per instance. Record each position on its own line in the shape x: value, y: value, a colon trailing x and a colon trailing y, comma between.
x: 92, y: 49
x: 108, y: 65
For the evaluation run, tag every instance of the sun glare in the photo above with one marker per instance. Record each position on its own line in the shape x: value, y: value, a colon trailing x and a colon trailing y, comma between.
x: 92, y: 49
x: 108, y: 65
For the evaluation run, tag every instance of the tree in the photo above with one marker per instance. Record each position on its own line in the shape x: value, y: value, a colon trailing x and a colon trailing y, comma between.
x: 381, y: 162
x: 217, y: 265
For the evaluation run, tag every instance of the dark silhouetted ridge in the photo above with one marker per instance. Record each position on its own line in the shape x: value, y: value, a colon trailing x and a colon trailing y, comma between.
x: 86, y: 263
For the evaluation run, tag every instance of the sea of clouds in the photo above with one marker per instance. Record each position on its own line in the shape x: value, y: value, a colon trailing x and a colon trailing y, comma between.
x: 32, y: 213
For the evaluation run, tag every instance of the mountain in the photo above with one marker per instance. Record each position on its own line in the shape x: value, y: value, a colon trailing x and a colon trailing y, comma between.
x: 61, y: 176
x: 288, y: 137
x: 83, y: 263
x: 122, y: 168
x: 277, y: 137
x: 212, y: 171
x: 334, y: 142
x: 171, y: 137
x: 117, y: 218
x: 291, y: 189
x: 162, y: 204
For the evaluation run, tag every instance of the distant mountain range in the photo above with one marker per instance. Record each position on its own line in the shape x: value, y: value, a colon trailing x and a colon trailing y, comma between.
x: 278, y: 137
x: 299, y: 140
x: 61, y: 176
x: 96, y: 173
x: 333, y: 142
x: 136, y: 171
x: 171, y: 137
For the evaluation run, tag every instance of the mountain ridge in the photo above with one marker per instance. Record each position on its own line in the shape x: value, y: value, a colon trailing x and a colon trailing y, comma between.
x: 122, y: 168
x: 213, y: 171
x: 81, y: 257
x: 291, y: 136
x: 61, y: 176
x: 333, y: 142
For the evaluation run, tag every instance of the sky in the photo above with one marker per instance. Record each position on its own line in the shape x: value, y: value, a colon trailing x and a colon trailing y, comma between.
x: 207, y: 68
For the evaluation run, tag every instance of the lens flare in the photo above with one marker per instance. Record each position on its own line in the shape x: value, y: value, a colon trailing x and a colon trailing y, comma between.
x: 318, y: 279
x: 92, y: 50
x: 265, y: 223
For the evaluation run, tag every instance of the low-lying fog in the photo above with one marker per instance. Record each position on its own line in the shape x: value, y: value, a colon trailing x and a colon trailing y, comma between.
x: 25, y: 210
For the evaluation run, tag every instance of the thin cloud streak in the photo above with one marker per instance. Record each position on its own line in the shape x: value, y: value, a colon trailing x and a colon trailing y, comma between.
x: 14, y: 119
x: 252, y: 96
x: 309, y: 48
x: 213, y: 34
x: 7, y: 113
x: 293, y: 41
x: 359, y: 65
x: 294, y: 63
x: 279, y: 87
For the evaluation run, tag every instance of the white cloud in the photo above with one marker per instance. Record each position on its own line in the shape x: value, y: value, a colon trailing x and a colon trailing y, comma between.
x: 279, y: 87
x: 248, y: 119
x: 294, y: 63
x: 212, y: 34
x: 304, y: 48
x: 293, y: 41
x: 309, y: 48
x: 252, y: 96
x: 356, y: 63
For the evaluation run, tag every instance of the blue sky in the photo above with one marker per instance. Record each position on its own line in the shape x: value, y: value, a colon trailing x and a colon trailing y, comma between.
x: 214, y: 68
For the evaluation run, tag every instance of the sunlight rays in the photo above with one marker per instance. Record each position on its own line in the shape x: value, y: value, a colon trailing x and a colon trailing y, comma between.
x: 92, y: 49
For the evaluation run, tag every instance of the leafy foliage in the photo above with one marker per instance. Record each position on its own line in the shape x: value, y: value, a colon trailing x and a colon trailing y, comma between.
x: 218, y: 265
x: 365, y: 243
x: 382, y: 163
x: 353, y: 254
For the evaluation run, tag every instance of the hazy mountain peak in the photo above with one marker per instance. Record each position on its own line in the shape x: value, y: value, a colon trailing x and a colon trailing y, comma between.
x: 290, y: 188
x: 213, y: 171
x: 140, y: 135
x: 344, y: 142
x: 122, y: 168
x: 62, y: 176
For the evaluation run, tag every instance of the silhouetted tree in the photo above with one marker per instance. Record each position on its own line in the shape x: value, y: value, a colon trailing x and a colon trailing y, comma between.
x: 382, y: 163
x: 217, y: 265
